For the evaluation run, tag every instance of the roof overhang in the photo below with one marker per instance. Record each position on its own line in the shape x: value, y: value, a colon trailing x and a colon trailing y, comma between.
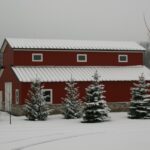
x: 85, y: 73
x: 4, y: 45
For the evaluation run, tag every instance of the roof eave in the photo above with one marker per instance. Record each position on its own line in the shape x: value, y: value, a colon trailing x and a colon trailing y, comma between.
x: 85, y: 81
x: 75, y: 49
x: 5, y: 42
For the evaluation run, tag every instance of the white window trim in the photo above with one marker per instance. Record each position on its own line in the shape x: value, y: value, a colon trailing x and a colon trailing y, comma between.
x: 51, y: 98
x: 123, y: 60
x: 17, y: 90
x: 40, y: 54
x: 81, y: 55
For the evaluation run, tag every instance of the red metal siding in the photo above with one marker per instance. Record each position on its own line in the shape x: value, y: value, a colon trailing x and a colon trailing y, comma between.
x: 55, y: 58
x: 8, y: 56
x: 115, y: 91
x: 58, y: 91
x: 8, y: 76
x: 118, y: 91
x: 24, y: 87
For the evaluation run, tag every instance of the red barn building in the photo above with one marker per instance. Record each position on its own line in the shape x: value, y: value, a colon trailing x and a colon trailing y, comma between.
x: 54, y: 62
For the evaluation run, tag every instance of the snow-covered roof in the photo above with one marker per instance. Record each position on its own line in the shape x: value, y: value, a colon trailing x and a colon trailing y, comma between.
x: 84, y: 73
x: 18, y: 43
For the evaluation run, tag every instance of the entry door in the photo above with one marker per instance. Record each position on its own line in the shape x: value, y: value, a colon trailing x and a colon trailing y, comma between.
x: 1, y: 101
x: 8, y: 95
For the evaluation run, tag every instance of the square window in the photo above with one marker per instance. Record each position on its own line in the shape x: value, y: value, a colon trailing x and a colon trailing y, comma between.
x: 37, y: 57
x: 47, y: 93
x: 81, y: 57
x: 123, y: 58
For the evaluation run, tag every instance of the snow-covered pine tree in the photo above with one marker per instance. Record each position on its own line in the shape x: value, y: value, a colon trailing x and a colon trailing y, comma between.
x: 36, y: 107
x: 95, y: 108
x: 140, y: 101
x: 71, y: 103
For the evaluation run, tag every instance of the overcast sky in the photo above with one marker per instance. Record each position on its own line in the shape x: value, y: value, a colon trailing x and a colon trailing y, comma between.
x: 75, y: 19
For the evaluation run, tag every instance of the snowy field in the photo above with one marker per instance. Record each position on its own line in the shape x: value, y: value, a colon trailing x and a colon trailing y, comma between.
x: 59, y: 134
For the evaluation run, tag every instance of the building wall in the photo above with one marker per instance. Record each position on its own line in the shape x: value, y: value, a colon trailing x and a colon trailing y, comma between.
x: 65, y: 58
x: 115, y: 91
x: 8, y: 57
x: 8, y: 76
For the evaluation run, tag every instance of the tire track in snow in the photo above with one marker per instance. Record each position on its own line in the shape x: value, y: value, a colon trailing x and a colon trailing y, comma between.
x: 29, y: 138
x: 56, y: 139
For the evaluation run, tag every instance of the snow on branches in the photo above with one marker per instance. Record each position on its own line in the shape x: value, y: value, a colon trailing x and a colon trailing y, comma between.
x: 36, y: 108
x: 140, y: 101
x: 71, y: 102
x: 95, y: 107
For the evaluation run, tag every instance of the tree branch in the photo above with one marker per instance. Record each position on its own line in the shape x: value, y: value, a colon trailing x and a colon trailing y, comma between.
x: 147, y: 27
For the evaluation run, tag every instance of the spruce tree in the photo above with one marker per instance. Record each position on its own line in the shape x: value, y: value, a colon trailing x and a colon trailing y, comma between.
x: 95, y: 108
x: 140, y: 101
x: 71, y: 102
x: 36, y: 107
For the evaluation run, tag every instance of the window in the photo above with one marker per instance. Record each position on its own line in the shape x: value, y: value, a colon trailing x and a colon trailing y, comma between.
x: 17, y: 96
x: 123, y: 58
x: 37, y: 57
x: 47, y: 93
x: 81, y: 58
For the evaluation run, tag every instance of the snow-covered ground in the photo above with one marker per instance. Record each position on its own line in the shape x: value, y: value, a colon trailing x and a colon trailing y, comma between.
x: 59, y: 134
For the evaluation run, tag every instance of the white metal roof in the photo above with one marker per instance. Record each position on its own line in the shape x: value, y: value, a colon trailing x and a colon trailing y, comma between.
x: 72, y: 44
x: 61, y: 74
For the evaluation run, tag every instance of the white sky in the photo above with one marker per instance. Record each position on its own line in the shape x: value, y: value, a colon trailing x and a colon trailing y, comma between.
x: 75, y: 19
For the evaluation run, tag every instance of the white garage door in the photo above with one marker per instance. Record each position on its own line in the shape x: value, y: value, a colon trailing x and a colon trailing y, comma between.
x: 8, y: 95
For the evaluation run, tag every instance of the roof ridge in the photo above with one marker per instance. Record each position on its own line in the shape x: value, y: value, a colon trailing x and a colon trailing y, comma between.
x: 59, y: 39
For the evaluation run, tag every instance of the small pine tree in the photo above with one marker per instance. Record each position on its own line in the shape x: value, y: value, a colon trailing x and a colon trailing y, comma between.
x: 95, y: 108
x: 140, y: 101
x: 36, y: 107
x: 71, y: 102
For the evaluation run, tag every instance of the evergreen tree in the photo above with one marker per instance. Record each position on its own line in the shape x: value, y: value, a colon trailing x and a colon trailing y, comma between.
x: 140, y: 101
x: 36, y: 107
x: 71, y: 102
x: 95, y: 108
